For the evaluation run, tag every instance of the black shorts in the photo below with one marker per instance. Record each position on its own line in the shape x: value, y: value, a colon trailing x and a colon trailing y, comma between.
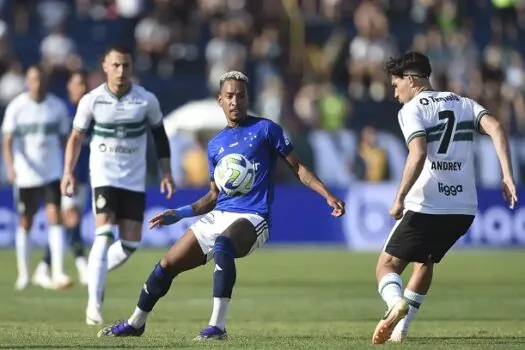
x: 419, y: 237
x: 28, y: 199
x: 125, y: 204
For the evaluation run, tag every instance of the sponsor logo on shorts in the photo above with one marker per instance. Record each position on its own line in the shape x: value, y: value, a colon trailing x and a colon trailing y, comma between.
x: 117, y: 149
x: 449, y: 190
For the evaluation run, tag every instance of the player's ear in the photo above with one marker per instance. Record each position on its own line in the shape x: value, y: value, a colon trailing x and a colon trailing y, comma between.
x: 219, y: 99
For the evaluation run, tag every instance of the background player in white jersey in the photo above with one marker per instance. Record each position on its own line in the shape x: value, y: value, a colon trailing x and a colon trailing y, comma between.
x: 436, y: 200
x: 121, y: 113
x: 34, y: 128
x: 71, y: 206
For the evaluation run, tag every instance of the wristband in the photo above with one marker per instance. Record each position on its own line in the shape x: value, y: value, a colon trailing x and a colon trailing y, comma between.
x: 184, y: 212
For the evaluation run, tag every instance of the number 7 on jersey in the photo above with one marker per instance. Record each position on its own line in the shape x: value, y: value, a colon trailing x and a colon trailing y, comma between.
x: 447, y: 137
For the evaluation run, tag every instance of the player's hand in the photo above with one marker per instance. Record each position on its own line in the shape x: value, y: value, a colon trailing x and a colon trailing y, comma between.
x: 337, y: 205
x: 167, y: 217
x: 11, y: 175
x: 68, y: 185
x: 509, y: 192
x: 396, y: 210
x: 167, y: 185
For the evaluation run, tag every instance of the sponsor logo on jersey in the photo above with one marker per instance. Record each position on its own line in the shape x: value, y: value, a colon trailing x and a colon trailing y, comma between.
x: 425, y: 101
x: 446, y: 166
x: 117, y: 149
x: 449, y: 190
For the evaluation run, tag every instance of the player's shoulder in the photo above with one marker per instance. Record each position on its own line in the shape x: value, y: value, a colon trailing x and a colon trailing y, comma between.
x: 141, y: 92
x: 19, y: 100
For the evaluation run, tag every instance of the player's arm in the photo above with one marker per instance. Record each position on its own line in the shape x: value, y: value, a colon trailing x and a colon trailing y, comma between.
x: 81, y: 123
x: 162, y: 144
x: 489, y: 125
x: 305, y: 175
x: 280, y: 144
x: 417, y: 154
x: 415, y: 137
x: 8, y: 131
x: 200, y: 207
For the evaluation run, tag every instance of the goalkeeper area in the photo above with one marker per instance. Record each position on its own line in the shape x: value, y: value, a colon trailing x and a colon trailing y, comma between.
x: 285, y: 298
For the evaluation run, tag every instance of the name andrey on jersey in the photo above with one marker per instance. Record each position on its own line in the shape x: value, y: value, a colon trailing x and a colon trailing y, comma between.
x: 425, y: 101
x: 446, y: 166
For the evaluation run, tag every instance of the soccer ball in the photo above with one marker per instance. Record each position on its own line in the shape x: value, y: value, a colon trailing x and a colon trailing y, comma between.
x: 234, y: 174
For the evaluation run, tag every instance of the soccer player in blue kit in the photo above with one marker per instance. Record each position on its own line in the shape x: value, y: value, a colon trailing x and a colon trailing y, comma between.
x: 233, y: 226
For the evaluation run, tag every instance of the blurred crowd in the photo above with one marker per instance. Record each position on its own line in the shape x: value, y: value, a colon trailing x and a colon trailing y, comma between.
x: 315, y: 66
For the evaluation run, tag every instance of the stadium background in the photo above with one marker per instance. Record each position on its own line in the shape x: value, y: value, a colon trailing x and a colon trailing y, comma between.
x: 314, y: 67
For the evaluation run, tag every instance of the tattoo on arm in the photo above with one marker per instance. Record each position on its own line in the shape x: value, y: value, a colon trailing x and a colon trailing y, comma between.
x: 205, y: 204
x: 165, y: 166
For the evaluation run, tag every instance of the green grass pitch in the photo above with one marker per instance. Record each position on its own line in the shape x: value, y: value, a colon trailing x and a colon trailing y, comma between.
x: 301, y: 298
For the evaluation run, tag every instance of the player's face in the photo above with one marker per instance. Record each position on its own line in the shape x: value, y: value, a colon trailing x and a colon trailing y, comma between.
x: 117, y: 67
x: 402, y: 88
x: 35, y: 81
x: 233, y: 99
x: 76, y: 87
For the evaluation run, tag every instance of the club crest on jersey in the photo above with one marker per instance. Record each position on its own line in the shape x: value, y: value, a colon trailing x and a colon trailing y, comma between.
x: 100, y: 202
x: 120, y: 131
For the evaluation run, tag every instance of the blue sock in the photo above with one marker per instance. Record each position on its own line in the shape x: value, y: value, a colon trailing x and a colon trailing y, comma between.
x: 47, y: 256
x: 157, y: 285
x: 224, y: 254
x: 75, y: 241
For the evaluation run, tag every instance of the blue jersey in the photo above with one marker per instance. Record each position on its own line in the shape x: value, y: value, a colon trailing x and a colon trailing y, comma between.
x: 262, y: 142
x: 82, y: 169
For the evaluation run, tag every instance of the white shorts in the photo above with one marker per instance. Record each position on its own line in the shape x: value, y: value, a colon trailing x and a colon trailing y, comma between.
x: 213, y: 224
x: 76, y: 201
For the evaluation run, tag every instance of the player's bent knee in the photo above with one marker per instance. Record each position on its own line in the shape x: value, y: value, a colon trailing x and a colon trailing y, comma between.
x: 242, y: 235
x: 390, y: 263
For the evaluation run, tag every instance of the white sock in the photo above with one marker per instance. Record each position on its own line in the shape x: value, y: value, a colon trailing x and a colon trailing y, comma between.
x: 81, y: 264
x: 390, y: 288
x: 98, y: 266
x: 56, y: 246
x: 138, y: 319
x: 218, y: 315
x: 119, y: 252
x: 414, y: 301
x: 23, y: 252
x: 42, y: 268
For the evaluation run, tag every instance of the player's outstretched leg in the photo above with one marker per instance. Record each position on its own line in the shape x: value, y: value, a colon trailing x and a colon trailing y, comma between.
x: 186, y: 254
x: 414, y: 294
x: 235, y: 242
x: 390, y: 287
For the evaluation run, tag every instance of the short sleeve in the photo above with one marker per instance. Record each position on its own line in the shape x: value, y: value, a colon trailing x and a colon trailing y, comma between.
x: 478, y: 111
x: 84, y: 114
x: 154, y: 113
x: 211, y: 163
x: 278, y: 140
x: 65, y: 121
x: 411, y: 124
x: 9, y: 123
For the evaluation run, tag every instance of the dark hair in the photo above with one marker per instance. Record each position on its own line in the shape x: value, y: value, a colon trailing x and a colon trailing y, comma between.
x: 83, y: 74
x: 38, y: 67
x: 411, y: 63
x: 118, y: 48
